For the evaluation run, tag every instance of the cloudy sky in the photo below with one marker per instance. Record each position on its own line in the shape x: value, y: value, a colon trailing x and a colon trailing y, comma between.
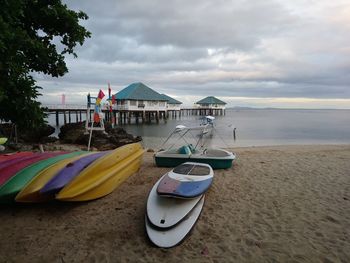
x: 271, y: 53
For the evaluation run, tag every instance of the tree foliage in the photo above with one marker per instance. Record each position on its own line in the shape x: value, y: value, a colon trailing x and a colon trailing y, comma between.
x: 35, y: 37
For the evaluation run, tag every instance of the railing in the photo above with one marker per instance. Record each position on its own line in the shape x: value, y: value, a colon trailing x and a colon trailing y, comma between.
x: 209, y: 107
x: 64, y: 106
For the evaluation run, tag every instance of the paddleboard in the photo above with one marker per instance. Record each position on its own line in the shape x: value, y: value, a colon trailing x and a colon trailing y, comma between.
x: 166, y: 212
x: 187, y: 180
x: 171, y: 237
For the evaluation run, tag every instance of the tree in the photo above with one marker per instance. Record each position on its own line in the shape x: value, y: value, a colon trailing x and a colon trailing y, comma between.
x: 35, y: 37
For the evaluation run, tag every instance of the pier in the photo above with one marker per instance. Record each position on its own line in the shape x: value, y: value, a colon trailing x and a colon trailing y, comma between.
x: 77, y: 113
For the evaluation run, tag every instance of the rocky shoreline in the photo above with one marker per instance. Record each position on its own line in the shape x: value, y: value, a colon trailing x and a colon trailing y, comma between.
x: 72, y: 137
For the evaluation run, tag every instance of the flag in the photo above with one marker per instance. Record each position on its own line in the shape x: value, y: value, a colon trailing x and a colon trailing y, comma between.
x: 100, y: 94
x: 109, y: 90
x: 96, y: 117
x: 99, y: 97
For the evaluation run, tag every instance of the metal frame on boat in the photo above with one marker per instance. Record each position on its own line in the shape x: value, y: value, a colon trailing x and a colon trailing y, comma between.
x: 172, y: 156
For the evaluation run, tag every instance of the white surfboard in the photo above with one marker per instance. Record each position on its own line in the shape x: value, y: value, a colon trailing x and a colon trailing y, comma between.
x: 167, y: 238
x: 165, y: 212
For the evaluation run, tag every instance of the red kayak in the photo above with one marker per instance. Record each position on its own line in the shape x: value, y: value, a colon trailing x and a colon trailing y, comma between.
x: 13, y: 161
x: 18, y: 164
x: 11, y: 156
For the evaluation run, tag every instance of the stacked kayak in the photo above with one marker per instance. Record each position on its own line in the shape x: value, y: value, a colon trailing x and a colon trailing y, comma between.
x: 10, y: 156
x: 76, y: 176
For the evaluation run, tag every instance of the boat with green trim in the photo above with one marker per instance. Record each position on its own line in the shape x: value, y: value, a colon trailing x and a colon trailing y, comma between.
x: 173, y: 156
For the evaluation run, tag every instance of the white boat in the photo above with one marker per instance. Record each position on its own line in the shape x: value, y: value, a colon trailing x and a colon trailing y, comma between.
x: 173, y: 156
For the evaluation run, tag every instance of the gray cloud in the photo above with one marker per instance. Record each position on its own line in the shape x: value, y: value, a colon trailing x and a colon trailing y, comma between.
x: 264, y: 49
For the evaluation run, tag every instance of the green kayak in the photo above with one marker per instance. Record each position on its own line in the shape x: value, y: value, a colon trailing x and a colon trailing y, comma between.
x: 12, y: 187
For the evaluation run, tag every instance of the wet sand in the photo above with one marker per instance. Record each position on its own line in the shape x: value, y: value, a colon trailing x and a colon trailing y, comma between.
x: 277, y: 204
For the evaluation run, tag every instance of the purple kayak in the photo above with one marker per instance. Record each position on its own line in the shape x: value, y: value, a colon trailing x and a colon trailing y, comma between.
x: 69, y: 172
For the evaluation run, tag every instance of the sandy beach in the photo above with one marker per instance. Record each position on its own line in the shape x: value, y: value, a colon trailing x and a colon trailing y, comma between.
x: 277, y: 204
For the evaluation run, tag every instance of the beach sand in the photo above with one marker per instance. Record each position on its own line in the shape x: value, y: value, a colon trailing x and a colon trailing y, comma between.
x: 277, y: 204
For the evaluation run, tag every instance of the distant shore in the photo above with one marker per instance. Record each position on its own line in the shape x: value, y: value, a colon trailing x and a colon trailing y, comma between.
x: 280, y: 203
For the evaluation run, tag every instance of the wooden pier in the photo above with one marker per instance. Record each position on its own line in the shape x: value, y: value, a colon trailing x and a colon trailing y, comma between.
x: 202, y: 111
x: 77, y: 113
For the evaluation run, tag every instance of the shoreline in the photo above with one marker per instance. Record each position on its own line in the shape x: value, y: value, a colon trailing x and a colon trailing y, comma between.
x: 277, y: 203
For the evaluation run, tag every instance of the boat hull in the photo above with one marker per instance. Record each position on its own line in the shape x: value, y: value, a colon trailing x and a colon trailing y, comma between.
x: 11, y: 167
x: 13, y: 186
x: 104, y: 175
x: 11, y: 156
x: 175, y: 161
x: 31, y: 191
x: 187, y: 180
x: 68, y: 173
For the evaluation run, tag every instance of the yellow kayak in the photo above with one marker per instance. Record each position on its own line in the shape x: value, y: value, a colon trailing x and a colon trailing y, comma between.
x: 3, y: 140
x: 104, y: 175
x: 30, y: 193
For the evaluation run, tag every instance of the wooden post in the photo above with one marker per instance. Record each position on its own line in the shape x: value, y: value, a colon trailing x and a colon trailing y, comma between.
x: 57, y: 120
x: 69, y: 116
x: 64, y: 118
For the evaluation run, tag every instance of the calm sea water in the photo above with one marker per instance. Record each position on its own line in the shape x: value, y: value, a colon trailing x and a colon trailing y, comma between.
x: 258, y: 127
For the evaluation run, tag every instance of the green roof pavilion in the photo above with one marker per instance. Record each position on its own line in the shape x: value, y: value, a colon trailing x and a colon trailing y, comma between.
x: 211, y: 100
x: 139, y: 91
x: 170, y: 99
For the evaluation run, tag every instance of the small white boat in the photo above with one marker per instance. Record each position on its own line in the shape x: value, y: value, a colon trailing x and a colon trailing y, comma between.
x: 173, y: 156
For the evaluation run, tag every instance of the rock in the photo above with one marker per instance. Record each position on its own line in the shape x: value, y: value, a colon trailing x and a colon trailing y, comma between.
x: 70, y: 134
x: 110, y: 139
x: 37, y: 135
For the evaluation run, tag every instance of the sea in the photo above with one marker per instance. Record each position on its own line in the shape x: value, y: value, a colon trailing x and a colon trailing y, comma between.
x: 253, y: 127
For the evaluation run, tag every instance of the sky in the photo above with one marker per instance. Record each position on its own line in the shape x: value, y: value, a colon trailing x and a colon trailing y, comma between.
x: 271, y: 53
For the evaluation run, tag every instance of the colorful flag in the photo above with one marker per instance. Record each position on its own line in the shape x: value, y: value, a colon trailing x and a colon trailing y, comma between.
x: 100, y: 94
x: 96, y: 117
x: 99, y: 97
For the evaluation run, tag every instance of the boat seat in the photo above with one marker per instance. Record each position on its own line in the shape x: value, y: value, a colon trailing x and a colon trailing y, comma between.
x: 184, y: 150
x: 192, y: 149
x: 215, y: 153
